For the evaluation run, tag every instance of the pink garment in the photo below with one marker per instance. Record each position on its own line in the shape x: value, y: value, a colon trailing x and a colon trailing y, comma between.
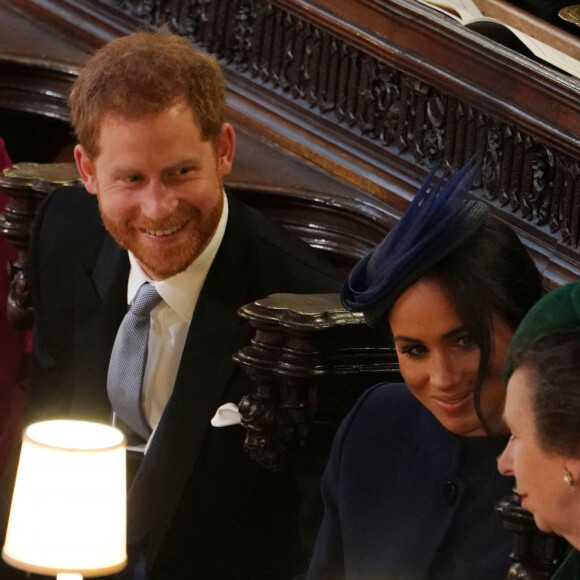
x: 12, y: 347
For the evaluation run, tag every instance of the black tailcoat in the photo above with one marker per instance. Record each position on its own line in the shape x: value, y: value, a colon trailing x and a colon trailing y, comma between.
x: 198, y: 507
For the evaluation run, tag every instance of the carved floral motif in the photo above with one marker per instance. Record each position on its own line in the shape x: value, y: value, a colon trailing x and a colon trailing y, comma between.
x: 359, y: 94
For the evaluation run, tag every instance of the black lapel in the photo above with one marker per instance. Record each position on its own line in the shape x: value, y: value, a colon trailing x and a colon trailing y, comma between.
x: 205, y: 370
x: 101, y: 304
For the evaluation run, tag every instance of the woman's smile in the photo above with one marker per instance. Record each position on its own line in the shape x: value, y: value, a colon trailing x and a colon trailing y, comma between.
x: 454, y: 403
x: 439, y: 360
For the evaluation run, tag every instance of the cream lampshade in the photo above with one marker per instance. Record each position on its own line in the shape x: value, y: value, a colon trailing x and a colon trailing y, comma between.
x: 68, y: 512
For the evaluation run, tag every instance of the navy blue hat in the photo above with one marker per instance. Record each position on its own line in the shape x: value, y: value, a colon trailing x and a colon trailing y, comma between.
x: 439, y: 219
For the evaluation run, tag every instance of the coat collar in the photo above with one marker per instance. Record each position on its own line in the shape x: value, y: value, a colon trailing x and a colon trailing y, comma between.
x: 112, y: 258
x: 99, y: 309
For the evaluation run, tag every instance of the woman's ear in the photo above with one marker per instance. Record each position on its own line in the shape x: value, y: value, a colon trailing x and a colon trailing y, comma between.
x: 572, y: 467
x: 86, y: 169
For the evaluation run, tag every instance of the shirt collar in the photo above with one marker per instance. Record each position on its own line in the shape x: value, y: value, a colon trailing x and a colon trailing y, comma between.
x: 181, y: 291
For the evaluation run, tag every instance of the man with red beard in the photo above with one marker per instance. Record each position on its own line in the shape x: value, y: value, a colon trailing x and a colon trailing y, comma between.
x: 148, y: 111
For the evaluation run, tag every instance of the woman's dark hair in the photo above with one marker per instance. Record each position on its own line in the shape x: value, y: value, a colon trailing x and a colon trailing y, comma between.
x: 489, y: 274
x: 553, y: 362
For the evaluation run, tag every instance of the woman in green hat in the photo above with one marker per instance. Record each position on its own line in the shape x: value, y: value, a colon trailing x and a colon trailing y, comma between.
x: 543, y: 413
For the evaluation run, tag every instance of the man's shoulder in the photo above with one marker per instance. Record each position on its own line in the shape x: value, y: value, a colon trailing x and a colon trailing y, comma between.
x: 67, y: 230
x: 273, y: 243
x: 70, y: 210
x: 72, y: 200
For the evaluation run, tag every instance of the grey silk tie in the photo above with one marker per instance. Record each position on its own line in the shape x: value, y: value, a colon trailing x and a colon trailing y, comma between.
x: 128, y: 360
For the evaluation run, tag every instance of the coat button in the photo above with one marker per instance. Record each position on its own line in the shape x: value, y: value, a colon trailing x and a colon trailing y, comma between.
x: 450, y: 492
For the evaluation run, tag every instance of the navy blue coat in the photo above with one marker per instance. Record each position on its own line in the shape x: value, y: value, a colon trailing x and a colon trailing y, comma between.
x: 406, y: 499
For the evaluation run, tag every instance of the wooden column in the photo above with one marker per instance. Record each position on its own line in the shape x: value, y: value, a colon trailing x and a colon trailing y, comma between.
x: 310, y: 359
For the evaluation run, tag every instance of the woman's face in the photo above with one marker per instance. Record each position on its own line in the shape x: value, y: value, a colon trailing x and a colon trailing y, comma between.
x: 539, y: 474
x: 439, y: 360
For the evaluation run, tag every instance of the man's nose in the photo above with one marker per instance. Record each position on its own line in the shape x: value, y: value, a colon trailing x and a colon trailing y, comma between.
x: 157, y: 201
x: 505, y: 460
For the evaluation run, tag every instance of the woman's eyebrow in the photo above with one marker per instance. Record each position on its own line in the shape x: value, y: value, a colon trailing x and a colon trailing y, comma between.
x: 454, y: 332
x: 449, y: 334
x: 402, y: 338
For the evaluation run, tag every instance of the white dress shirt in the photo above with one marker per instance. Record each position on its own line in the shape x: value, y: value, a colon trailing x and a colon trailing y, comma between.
x: 170, y: 321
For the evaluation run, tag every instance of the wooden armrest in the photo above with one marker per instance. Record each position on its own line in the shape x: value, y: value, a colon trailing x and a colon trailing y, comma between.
x: 535, y: 554
x: 342, y: 222
x: 310, y: 359
x: 26, y: 185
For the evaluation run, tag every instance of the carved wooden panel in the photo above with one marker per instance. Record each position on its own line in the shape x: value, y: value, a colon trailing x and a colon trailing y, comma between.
x: 310, y: 360
x: 352, y: 97
x: 330, y: 79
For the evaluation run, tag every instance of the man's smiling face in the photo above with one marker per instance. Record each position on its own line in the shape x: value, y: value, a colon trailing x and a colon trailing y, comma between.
x: 159, y: 185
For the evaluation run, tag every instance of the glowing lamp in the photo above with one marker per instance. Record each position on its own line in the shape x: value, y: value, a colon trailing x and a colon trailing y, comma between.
x: 68, y: 513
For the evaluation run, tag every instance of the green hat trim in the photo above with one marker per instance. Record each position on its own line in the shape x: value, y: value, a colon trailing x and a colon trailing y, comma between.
x: 558, y: 308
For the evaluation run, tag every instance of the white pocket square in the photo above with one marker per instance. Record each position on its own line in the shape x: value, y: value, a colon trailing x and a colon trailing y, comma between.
x: 226, y: 415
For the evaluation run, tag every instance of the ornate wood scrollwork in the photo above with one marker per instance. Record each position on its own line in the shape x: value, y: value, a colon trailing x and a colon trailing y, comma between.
x: 303, y: 347
x: 332, y: 79
x: 535, y: 554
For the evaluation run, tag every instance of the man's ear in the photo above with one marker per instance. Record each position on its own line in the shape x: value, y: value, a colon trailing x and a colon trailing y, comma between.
x: 225, y: 149
x: 86, y: 169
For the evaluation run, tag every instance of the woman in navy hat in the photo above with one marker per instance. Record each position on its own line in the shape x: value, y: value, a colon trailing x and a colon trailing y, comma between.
x: 543, y: 412
x: 411, y: 481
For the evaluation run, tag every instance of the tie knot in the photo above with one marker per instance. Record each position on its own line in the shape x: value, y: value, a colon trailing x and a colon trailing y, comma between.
x: 145, y: 300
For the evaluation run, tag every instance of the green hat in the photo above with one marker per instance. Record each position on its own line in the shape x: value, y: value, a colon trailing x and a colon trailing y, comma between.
x: 557, y: 309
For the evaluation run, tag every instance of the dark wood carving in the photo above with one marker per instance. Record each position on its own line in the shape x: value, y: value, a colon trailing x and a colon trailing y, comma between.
x: 344, y: 227
x: 26, y: 185
x: 310, y: 360
x: 301, y: 59
x: 37, y: 86
x: 360, y: 89
x: 344, y: 224
x: 535, y: 554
